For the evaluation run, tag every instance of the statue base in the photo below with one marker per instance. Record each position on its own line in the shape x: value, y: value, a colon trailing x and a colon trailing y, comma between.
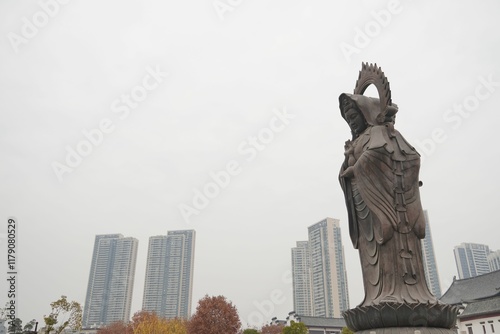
x: 386, y: 316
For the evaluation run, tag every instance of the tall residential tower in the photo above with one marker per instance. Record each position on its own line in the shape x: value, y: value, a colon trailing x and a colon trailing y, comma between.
x: 111, y: 280
x: 319, y: 274
x: 430, y: 267
x: 494, y: 260
x: 471, y: 259
x: 169, y: 274
x: 301, y: 278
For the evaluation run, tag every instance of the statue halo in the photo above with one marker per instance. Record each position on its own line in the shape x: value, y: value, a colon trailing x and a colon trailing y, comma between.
x: 371, y: 74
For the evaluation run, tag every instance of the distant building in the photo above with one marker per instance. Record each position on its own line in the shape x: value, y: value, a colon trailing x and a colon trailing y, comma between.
x: 169, y: 274
x: 494, y: 260
x: 3, y: 329
x: 430, y: 267
x: 479, y: 300
x: 318, y: 272
x: 473, y: 288
x: 301, y: 278
x: 88, y: 331
x: 318, y: 325
x: 276, y: 321
x: 111, y: 280
x: 471, y: 260
x: 329, y: 277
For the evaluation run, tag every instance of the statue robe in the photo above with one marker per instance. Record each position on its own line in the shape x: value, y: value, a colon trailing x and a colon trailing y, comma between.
x: 386, y: 220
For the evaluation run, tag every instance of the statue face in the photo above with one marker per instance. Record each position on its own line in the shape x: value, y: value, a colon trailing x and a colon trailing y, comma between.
x: 355, y: 120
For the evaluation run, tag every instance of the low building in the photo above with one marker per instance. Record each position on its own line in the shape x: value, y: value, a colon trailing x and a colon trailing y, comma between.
x: 479, y: 301
x: 473, y: 288
x: 480, y: 317
x: 315, y: 325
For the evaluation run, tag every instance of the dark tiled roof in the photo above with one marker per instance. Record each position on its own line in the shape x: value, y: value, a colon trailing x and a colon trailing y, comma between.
x: 485, y: 306
x: 474, y: 288
x: 322, y: 322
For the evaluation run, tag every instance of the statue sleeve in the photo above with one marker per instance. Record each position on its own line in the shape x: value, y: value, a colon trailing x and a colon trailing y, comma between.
x: 351, y: 211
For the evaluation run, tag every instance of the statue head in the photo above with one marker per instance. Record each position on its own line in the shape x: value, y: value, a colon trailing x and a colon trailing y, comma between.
x: 368, y: 109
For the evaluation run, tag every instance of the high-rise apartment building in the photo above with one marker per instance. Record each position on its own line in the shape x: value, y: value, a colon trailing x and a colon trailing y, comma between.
x: 430, y: 267
x: 494, y: 260
x: 301, y: 279
x: 111, y: 280
x: 169, y: 274
x: 322, y: 258
x: 471, y: 259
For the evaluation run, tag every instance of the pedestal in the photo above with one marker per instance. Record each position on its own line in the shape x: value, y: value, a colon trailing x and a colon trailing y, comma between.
x: 394, y: 318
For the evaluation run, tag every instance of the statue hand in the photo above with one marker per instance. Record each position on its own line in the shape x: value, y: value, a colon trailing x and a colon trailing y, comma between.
x: 348, y: 173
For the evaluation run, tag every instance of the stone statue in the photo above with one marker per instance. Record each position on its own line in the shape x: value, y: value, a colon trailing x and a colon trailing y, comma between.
x: 379, y: 178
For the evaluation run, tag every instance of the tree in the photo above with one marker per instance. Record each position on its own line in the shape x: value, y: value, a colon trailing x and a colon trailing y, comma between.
x: 272, y: 329
x: 295, y: 328
x: 141, y: 317
x: 71, y: 310
x: 214, y: 315
x: 15, y: 326
x: 347, y: 330
x: 30, y: 326
x: 115, y: 328
x: 144, y: 322
x: 250, y: 331
x: 177, y: 326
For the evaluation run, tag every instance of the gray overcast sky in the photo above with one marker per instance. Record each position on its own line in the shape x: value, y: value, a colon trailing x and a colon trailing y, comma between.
x: 231, y: 69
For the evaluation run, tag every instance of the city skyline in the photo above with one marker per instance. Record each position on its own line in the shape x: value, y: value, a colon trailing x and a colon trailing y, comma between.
x: 165, y: 103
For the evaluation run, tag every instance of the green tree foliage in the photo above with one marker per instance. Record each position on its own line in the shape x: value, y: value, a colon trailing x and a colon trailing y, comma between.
x: 251, y: 331
x: 295, y: 328
x: 15, y: 326
x: 214, y: 315
x: 347, y: 330
x: 71, y: 312
x: 30, y: 326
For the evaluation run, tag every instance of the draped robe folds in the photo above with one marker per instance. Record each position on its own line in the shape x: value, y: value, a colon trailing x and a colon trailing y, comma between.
x: 386, y: 220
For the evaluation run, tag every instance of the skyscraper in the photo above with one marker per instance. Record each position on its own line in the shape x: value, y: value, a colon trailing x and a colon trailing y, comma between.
x: 324, y: 292
x: 430, y: 267
x: 471, y: 259
x: 301, y: 279
x: 494, y: 260
x: 169, y: 274
x: 111, y: 280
